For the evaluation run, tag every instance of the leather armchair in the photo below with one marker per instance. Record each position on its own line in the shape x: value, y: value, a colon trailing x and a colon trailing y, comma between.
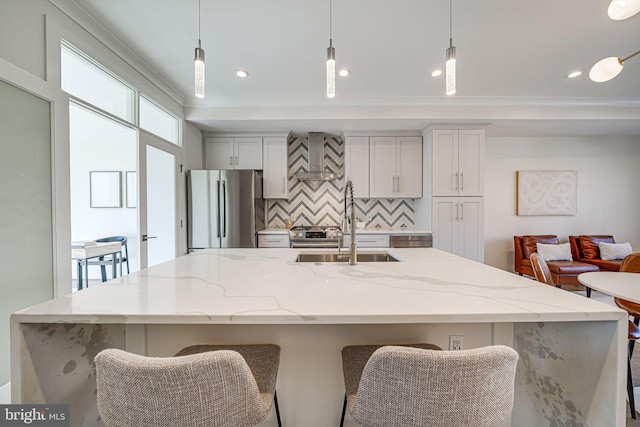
x: 585, y: 249
x: 562, y: 272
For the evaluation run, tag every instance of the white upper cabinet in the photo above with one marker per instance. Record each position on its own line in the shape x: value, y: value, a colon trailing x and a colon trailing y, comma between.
x: 356, y: 164
x: 458, y: 162
x: 395, y: 167
x: 233, y: 153
x: 275, y: 180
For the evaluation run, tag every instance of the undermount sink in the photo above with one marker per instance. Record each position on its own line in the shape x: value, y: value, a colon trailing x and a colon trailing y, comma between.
x: 336, y: 257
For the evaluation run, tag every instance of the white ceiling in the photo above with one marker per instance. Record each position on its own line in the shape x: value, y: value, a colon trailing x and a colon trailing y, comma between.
x: 513, y: 56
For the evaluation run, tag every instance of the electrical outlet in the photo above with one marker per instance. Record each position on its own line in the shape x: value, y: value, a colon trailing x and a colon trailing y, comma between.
x: 455, y: 342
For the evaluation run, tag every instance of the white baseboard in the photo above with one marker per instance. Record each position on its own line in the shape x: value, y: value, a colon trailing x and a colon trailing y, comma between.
x: 5, y: 394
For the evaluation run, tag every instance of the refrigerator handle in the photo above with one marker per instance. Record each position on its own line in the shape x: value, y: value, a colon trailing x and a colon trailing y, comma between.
x: 224, y: 209
x: 218, y: 206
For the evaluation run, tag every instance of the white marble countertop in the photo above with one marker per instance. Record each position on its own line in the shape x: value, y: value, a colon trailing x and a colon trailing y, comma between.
x: 267, y: 286
x: 399, y: 231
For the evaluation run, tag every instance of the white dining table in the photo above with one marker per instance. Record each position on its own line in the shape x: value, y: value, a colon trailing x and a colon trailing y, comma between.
x: 83, y: 255
x: 618, y: 284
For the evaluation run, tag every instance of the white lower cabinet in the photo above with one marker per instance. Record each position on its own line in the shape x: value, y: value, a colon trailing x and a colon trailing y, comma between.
x: 458, y: 226
x: 368, y: 240
x: 273, y: 240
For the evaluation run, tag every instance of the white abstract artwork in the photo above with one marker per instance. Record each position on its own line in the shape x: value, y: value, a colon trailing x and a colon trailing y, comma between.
x: 547, y: 192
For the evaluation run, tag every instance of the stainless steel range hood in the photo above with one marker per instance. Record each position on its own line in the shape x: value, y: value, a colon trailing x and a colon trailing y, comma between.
x: 315, y: 170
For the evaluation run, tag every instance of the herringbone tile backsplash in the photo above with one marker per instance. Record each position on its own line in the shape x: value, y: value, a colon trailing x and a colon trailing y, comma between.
x: 322, y: 203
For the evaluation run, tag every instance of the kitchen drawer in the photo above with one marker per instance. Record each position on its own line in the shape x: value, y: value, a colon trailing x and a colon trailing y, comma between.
x: 369, y: 240
x: 273, y: 240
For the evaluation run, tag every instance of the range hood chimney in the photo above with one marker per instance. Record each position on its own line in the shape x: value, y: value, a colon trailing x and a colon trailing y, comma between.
x: 315, y: 152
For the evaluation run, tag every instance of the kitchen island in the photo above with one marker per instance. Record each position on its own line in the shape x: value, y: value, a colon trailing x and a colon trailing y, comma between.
x: 572, y: 367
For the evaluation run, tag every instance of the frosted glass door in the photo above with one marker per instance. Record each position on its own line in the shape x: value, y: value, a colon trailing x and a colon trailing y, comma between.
x: 26, y: 236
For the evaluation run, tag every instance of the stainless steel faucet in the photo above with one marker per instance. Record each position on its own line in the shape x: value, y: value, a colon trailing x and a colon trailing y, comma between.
x: 348, y: 191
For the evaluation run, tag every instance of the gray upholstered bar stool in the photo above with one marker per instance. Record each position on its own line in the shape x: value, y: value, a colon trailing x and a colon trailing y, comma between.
x: 413, y: 387
x: 210, y: 388
x: 354, y: 359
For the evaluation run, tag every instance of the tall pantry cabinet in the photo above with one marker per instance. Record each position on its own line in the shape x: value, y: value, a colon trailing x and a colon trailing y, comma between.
x: 458, y: 190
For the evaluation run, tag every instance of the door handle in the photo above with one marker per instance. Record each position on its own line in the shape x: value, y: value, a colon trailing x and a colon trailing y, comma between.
x: 224, y: 209
x: 219, y: 210
x: 145, y: 237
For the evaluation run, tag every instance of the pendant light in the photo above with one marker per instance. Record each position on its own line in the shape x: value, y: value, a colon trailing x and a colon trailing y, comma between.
x: 623, y: 9
x: 451, y: 57
x: 331, y: 59
x: 608, y: 68
x: 199, y: 63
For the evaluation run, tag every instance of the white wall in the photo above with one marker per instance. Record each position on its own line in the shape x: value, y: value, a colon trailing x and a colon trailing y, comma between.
x: 608, y: 179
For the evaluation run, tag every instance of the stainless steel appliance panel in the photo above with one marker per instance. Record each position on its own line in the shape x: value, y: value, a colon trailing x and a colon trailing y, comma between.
x: 203, y: 216
x: 415, y: 241
x: 224, y: 208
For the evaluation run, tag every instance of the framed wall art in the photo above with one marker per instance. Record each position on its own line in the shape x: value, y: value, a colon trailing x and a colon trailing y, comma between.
x: 551, y: 192
x: 104, y: 189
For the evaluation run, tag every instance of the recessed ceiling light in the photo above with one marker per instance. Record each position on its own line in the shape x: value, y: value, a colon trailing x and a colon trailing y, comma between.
x: 436, y: 73
x: 344, y: 72
x: 574, y: 74
x: 242, y: 73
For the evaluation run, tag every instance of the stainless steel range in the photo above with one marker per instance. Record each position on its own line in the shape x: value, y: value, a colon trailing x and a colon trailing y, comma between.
x: 316, y: 236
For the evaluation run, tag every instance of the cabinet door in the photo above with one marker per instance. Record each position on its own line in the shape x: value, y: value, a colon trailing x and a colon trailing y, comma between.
x: 471, y: 162
x: 445, y: 162
x: 219, y: 153
x: 247, y: 153
x: 275, y: 182
x: 445, y: 224
x: 471, y: 228
x: 356, y: 165
x: 382, y: 164
x: 408, y: 167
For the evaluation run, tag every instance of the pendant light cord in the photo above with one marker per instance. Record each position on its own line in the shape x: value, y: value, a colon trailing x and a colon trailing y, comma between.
x: 330, y: 20
x: 198, y: 23
x: 630, y: 56
x: 450, y: 23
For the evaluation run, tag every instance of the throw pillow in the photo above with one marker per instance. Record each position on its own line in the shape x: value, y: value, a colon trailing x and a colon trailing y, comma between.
x: 611, y: 251
x: 559, y: 252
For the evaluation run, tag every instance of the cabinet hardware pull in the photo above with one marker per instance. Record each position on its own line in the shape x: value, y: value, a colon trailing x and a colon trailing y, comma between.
x: 461, y: 211
x: 461, y: 181
x: 457, y: 181
x: 236, y: 160
x: 283, y: 183
x: 455, y: 213
x: 230, y: 160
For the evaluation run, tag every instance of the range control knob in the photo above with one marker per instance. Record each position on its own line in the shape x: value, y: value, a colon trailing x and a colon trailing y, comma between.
x: 300, y: 234
x: 333, y: 234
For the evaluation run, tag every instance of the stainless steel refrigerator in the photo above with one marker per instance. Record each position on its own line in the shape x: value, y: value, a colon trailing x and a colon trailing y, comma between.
x: 225, y: 208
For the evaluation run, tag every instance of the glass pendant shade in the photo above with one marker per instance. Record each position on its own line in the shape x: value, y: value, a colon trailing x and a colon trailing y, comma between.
x: 623, y: 9
x: 606, y: 69
x: 199, y: 72
x: 451, y: 71
x: 331, y: 72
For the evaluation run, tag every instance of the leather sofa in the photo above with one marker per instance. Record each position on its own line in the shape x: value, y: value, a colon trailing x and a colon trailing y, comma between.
x: 585, y: 249
x: 562, y: 272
